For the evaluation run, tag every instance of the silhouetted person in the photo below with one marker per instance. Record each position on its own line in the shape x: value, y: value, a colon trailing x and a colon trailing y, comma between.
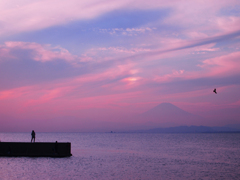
x: 215, y: 91
x: 33, y: 136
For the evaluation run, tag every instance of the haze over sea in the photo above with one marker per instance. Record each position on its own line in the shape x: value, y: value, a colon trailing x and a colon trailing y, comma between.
x: 130, y: 156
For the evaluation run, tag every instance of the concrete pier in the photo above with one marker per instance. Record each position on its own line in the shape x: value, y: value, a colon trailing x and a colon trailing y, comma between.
x: 37, y: 149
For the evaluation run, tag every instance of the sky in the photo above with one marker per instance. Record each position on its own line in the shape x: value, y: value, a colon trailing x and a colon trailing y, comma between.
x: 70, y: 65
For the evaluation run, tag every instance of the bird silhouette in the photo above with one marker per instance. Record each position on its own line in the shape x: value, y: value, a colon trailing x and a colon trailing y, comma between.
x: 215, y: 91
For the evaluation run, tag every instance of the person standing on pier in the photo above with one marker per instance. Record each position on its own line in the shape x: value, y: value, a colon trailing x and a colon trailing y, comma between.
x: 33, y: 136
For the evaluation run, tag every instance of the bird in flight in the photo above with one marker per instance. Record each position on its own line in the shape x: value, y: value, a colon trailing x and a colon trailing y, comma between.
x: 215, y: 91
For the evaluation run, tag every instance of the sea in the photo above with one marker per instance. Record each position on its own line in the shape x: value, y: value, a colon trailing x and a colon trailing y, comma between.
x: 126, y: 156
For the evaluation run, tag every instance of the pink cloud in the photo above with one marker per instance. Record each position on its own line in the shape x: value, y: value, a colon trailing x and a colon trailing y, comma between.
x: 34, y: 15
x: 117, y: 87
x: 210, y: 67
x: 41, y: 52
x: 229, y: 24
x: 202, y: 16
x: 157, y: 66
x: 214, y: 66
x: 223, y: 65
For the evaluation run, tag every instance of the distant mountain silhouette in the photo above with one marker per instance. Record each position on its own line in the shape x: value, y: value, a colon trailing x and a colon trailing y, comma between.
x: 235, y: 126
x: 191, y: 129
x: 167, y: 114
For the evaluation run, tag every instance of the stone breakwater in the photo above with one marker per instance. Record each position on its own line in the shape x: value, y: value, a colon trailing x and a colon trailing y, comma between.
x: 37, y: 149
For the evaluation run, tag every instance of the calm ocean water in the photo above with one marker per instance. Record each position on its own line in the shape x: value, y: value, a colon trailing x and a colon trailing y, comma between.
x: 129, y: 156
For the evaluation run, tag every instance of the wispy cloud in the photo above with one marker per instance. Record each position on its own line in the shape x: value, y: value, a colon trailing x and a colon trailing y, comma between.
x: 127, y: 31
x: 64, y: 57
x: 35, y: 15
x: 192, y: 44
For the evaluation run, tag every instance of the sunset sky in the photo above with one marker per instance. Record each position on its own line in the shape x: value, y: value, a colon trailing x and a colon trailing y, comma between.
x: 74, y: 64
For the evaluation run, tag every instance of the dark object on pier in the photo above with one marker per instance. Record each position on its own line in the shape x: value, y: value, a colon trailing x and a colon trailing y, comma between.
x: 37, y: 149
x: 215, y: 91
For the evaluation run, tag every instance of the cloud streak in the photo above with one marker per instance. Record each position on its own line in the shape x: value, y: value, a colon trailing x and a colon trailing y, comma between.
x: 188, y: 45
x: 103, y: 59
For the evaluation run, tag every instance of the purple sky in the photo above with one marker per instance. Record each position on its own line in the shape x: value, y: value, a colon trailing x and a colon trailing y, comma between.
x: 78, y: 63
